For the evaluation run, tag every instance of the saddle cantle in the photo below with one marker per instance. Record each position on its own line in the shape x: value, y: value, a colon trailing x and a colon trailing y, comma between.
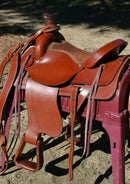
x: 48, y: 69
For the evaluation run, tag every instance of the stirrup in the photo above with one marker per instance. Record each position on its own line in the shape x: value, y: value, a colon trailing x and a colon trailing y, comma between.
x: 26, y: 164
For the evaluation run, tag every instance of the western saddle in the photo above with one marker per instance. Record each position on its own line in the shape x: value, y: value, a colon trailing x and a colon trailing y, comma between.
x: 47, y: 68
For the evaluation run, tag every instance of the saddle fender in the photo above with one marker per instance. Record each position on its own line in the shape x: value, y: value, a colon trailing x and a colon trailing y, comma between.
x: 38, y: 95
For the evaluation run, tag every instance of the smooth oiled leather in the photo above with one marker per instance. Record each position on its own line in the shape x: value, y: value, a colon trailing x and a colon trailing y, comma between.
x: 9, y: 83
x: 106, y: 53
x: 3, y: 100
x: 44, y: 97
x: 64, y: 62
x: 60, y: 65
x: 17, y: 56
x: 52, y: 68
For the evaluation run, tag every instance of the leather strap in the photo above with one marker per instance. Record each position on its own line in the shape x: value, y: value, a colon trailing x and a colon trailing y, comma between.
x: 25, y: 43
x: 73, y: 105
x: 90, y: 111
x: 18, y: 84
x: 9, y: 83
x: 4, y: 140
x: 19, y: 47
x: 46, y: 29
x: 4, y: 153
x: 2, y: 65
x: 3, y: 98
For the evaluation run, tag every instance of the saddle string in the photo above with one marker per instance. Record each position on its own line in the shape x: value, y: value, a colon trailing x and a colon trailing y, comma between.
x: 90, y: 112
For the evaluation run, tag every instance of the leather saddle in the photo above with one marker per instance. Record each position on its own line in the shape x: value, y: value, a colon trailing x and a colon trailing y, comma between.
x: 64, y: 64
x: 65, y: 70
x: 62, y: 61
x: 50, y: 67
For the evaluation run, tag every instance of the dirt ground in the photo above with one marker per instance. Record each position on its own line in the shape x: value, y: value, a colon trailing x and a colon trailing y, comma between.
x: 97, y: 167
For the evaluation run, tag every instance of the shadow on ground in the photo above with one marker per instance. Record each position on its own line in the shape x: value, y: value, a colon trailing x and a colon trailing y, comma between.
x: 94, y: 13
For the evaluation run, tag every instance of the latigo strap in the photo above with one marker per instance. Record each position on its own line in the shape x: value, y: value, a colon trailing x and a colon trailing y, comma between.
x: 73, y: 104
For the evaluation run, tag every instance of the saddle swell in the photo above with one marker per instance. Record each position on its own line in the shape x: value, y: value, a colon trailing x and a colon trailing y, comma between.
x: 60, y: 64
x: 54, y: 68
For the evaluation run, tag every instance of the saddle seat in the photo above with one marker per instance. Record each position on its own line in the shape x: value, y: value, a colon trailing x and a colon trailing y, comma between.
x: 63, y: 61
